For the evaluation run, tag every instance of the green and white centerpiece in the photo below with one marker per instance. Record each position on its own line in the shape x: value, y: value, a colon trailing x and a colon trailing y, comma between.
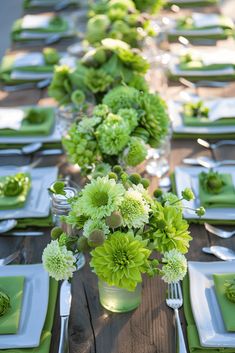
x: 119, y: 130
x: 123, y: 228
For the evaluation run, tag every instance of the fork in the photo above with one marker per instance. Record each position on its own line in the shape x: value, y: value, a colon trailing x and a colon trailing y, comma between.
x: 219, y: 232
x: 175, y: 300
x: 9, y: 258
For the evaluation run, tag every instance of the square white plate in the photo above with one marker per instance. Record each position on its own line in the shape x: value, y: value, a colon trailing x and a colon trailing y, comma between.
x: 38, y: 201
x: 188, y: 177
x: 206, y: 310
x: 175, y: 109
x: 34, y: 305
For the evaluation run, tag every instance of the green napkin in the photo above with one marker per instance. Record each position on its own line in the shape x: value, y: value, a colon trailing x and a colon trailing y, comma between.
x: 29, y: 129
x: 13, y: 286
x: 7, y: 65
x: 201, y: 122
x: 44, y: 346
x: 196, y: 3
x: 193, y: 338
x: 227, y: 307
x: 35, y: 222
x: 226, y: 198
x: 198, y: 65
x: 59, y: 25
x: 13, y: 202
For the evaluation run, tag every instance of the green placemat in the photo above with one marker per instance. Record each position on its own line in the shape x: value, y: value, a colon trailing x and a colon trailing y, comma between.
x: 18, y: 201
x: 199, y: 220
x: 227, y: 307
x: 30, y: 129
x: 45, y: 341
x: 201, y: 122
x: 13, y: 287
x: 192, y: 334
x: 226, y: 198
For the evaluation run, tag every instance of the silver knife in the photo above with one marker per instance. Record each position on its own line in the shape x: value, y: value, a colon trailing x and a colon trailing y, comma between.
x: 50, y: 152
x: 191, y: 161
x: 22, y: 234
x: 65, y: 305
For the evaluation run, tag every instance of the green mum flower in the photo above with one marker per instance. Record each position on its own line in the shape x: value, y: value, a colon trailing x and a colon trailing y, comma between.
x: 130, y: 116
x: 91, y: 225
x: 175, y: 266
x: 97, y: 80
x: 136, y: 152
x: 121, y: 260
x: 121, y: 97
x: 101, y: 110
x: 134, y: 209
x: 101, y: 197
x: 171, y: 230
x: 58, y: 261
x: 112, y: 135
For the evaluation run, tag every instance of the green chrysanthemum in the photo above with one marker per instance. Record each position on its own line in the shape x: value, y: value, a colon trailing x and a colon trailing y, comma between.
x: 121, y: 97
x: 130, y: 116
x: 101, y: 110
x: 121, y: 260
x: 136, y: 152
x: 175, y: 266
x: 58, y: 261
x: 171, y: 230
x: 112, y: 135
x: 91, y: 225
x: 101, y: 197
x: 134, y: 209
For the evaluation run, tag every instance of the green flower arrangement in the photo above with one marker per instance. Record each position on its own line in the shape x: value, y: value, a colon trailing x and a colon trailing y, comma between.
x: 118, y: 20
x: 212, y: 181
x: 14, y: 185
x: 122, y: 227
x: 105, y: 137
x: 196, y: 110
x: 100, y: 69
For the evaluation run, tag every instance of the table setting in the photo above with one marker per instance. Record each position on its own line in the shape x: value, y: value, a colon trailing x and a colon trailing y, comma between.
x: 117, y: 185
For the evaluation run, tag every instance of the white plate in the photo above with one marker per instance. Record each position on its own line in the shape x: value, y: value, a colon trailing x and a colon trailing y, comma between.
x: 175, y: 109
x: 206, y: 310
x: 38, y: 201
x: 34, y: 305
x: 188, y: 177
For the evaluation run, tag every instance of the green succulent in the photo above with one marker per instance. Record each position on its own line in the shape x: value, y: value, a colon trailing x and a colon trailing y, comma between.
x: 230, y: 290
x: 5, y: 303
x: 97, y: 80
x: 78, y: 97
x: 212, y: 181
x: 35, y: 116
x: 196, y: 109
x: 14, y: 185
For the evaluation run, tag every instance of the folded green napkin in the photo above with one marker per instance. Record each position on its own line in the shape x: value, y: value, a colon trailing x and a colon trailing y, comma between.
x: 13, y: 287
x: 28, y: 4
x: 13, y: 202
x: 200, y: 122
x: 44, y: 346
x: 192, y: 334
x: 227, y: 307
x: 199, y: 65
x: 35, y: 222
x: 226, y: 198
x: 30, y: 129
x: 183, y: 24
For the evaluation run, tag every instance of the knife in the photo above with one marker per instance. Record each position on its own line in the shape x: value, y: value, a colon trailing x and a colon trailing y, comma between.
x: 50, y: 152
x: 191, y: 161
x: 22, y: 234
x: 65, y: 305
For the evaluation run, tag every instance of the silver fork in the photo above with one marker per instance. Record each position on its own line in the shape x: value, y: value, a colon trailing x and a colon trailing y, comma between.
x: 175, y: 300
x: 219, y: 232
x: 9, y: 258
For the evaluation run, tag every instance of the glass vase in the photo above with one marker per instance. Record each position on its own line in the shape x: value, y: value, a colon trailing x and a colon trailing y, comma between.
x: 119, y: 300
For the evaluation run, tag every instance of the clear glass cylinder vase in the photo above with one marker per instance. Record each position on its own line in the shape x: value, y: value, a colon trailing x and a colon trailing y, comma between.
x: 119, y: 300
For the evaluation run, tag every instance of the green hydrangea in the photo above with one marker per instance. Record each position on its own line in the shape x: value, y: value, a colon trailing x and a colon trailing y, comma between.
x: 134, y: 209
x: 97, y: 80
x: 170, y: 230
x: 58, y: 261
x: 100, y: 198
x: 112, y: 135
x: 121, y: 260
x: 135, y: 153
x: 175, y: 266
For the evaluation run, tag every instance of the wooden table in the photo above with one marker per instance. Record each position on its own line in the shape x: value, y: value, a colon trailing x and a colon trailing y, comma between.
x: 92, y: 329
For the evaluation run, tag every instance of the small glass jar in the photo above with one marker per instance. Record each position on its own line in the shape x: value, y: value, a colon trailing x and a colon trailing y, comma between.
x: 119, y: 300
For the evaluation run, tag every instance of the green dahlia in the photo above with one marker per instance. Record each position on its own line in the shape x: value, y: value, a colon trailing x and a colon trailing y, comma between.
x: 121, y: 260
x: 175, y: 266
x: 101, y: 197
x: 171, y: 230
x: 91, y: 225
x: 58, y: 261
x: 134, y: 209
x: 112, y: 135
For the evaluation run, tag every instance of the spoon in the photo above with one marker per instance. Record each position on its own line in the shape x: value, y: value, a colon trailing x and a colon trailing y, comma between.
x: 203, y: 83
x: 7, y: 225
x: 207, y: 162
x: 221, y: 252
x: 213, y: 146
x: 25, y: 150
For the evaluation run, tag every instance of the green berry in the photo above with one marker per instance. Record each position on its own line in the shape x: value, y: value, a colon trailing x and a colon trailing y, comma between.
x: 157, y: 193
x: 135, y: 178
x: 114, y: 220
x: 145, y: 182
x: 113, y: 176
x: 96, y: 238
